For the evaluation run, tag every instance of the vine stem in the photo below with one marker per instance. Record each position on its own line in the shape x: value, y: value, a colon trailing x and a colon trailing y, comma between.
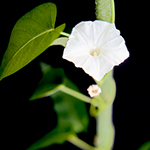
x: 80, y: 143
x: 105, y: 131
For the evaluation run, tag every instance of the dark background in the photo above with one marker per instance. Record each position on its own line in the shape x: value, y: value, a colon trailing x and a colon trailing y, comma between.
x: 24, y: 122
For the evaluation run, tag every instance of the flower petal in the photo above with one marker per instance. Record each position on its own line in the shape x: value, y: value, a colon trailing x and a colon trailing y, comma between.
x: 84, y: 30
x: 115, y: 51
x: 77, y: 48
x: 104, y: 32
x: 96, y: 47
x: 76, y: 53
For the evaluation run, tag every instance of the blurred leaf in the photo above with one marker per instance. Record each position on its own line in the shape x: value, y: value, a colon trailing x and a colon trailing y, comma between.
x: 45, y: 68
x: 32, y: 34
x: 60, y: 41
x: 70, y: 110
x: 145, y: 146
x: 71, y: 113
x: 58, y: 135
x: 105, y: 10
x: 50, y: 83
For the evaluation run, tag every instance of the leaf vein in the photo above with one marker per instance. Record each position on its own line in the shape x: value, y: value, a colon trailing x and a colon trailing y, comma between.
x: 22, y: 31
x: 42, y: 39
x: 47, y: 31
x: 35, y: 22
x: 45, y: 16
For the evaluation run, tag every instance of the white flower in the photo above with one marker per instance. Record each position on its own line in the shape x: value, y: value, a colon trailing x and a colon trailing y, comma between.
x: 94, y: 90
x: 96, y: 47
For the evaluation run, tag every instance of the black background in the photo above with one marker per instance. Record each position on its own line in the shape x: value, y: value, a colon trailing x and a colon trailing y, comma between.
x: 24, y: 122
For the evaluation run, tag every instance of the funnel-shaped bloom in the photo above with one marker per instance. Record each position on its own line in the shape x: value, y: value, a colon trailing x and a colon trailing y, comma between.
x: 96, y: 47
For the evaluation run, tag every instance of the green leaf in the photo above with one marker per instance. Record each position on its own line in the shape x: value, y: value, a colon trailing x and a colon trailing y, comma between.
x: 50, y: 83
x: 57, y: 136
x: 60, y: 41
x: 32, y: 34
x: 145, y: 146
x: 105, y: 10
x: 71, y: 113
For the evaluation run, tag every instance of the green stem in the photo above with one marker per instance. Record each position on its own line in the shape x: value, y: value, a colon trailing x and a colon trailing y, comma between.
x: 113, y: 11
x: 75, y: 94
x: 79, y: 143
x: 105, y: 129
x: 105, y: 10
x: 65, y: 34
x: 105, y: 133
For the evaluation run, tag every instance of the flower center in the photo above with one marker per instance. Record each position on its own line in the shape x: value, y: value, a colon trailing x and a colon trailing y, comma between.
x: 95, y: 91
x: 95, y: 51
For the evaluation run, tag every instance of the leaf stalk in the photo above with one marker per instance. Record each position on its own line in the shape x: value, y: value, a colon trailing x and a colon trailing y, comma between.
x: 65, y: 34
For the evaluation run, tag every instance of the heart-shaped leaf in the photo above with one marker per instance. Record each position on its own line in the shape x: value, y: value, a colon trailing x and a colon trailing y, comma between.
x: 32, y: 34
x: 71, y: 113
x: 50, y: 83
